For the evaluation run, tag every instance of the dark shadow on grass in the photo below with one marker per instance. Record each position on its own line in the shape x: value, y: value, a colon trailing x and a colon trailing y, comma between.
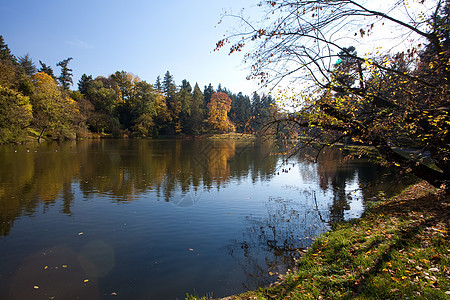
x: 431, y: 205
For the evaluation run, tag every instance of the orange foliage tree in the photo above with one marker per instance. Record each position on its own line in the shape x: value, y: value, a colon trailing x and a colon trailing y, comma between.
x: 218, y: 109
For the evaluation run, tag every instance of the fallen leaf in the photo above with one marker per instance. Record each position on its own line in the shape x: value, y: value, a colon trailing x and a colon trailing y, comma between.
x: 433, y: 269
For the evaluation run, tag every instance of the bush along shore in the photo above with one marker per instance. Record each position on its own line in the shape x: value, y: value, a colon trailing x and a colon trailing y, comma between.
x: 397, y: 250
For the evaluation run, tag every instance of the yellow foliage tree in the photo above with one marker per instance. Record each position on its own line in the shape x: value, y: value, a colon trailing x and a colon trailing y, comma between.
x: 53, y: 111
x: 218, y: 109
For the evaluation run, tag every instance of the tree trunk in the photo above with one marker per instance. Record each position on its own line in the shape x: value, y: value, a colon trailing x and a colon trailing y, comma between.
x: 40, y: 135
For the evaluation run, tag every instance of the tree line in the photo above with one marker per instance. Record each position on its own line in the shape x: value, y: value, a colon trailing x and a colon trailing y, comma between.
x: 36, y: 103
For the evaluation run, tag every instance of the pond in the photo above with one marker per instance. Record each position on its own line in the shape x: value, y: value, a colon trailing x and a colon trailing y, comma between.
x: 156, y: 219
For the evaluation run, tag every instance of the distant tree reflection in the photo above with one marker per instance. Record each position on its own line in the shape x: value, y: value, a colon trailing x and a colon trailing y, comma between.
x: 34, y: 176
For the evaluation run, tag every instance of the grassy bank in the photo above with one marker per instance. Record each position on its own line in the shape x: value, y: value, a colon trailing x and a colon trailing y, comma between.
x: 397, y: 250
x: 232, y: 136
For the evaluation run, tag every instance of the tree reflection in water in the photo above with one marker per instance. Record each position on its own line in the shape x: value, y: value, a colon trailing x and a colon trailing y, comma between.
x: 292, y: 202
x: 271, y: 244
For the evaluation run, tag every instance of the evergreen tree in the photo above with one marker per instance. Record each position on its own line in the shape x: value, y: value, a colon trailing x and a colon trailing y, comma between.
x: 27, y: 65
x: 240, y: 111
x: 168, y: 86
x: 158, y: 85
x: 83, y: 83
x: 185, y: 96
x: 66, y: 74
x: 197, y: 113
x: 173, y: 103
x: 5, y: 53
x: 46, y: 69
x: 256, y: 122
x: 207, y: 93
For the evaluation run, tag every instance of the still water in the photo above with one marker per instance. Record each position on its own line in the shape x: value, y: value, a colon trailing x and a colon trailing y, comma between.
x: 156, y: 219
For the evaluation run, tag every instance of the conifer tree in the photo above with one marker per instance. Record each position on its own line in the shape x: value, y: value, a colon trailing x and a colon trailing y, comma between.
x: 207, y: 93
x: 197, y: 112
x: 83, y: 83
x: 27, y: 64
x: 46, y: 69
x: 158, y: 85
x: 66, y: 74
x: 5, y: 53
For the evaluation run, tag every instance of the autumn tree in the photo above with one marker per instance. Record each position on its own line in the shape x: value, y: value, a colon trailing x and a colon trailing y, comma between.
x: 354, y: 85
x: 53, y: 111
x: 218, y: 109
x: 144, y: 110
x: 15, y: 115
x: 8, y: 66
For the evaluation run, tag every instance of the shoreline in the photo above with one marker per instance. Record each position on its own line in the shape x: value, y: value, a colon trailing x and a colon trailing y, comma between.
x: 398, y: 249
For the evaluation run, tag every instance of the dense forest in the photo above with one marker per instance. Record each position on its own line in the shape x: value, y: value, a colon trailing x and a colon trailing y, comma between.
x: 37, y: 104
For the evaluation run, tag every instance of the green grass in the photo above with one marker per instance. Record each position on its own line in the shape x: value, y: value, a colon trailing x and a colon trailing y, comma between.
x: 397, y: 250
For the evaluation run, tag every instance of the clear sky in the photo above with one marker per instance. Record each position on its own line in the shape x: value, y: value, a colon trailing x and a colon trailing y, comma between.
x: 143, y: 37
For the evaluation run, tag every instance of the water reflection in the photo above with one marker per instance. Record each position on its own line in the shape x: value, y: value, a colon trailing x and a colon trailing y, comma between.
x: 34, y: 174
x: 228, y: 195
x: 271, y: 244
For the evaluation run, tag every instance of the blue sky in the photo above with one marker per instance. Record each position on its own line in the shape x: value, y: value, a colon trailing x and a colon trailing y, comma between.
x: 145, y: 38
